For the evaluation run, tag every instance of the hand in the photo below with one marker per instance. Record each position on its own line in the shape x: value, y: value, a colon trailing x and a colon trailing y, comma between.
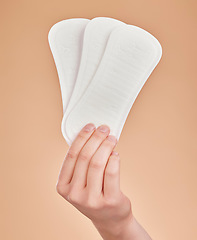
x: 90, y: 180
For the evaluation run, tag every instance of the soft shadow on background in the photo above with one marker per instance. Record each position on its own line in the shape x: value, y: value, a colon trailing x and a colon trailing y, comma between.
x: 158, y: 142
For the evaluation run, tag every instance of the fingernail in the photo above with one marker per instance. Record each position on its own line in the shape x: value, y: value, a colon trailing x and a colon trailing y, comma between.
x: 89, y: 127
x: 103, y: 129
x: 114, y: 153
x: 111, y: 138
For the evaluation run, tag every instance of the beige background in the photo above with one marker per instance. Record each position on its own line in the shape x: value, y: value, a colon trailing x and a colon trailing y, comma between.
x: 158, y: 142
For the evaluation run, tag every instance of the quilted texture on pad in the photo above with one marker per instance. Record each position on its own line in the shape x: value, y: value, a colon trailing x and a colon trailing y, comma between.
x: 102, y: 65
x: 130, y: 56
x: 95, y: 39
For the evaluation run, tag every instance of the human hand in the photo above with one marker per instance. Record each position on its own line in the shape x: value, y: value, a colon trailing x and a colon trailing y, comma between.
x: 90, y: 180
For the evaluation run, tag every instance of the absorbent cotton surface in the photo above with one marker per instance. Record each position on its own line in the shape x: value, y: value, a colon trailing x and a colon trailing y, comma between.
x: 96, y: 35
x: 65, y: 41
x: 130, y: 56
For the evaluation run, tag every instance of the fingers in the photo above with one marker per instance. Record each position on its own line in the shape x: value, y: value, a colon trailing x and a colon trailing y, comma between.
x: 112, y: 177
x: 91, y: 163
x: 73, y: 152
x: 98, y: 164
x: 79, y: 178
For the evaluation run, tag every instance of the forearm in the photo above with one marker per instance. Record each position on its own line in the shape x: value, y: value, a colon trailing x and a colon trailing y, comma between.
x: 130, y: 230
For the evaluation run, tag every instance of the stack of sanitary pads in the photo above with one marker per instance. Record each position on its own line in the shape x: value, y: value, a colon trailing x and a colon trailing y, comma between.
x: 102, y: 65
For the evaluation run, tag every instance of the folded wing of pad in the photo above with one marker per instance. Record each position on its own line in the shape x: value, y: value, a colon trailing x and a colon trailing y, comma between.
x: 65, y: 41
x: 130, y: 56
x: 95, y: 39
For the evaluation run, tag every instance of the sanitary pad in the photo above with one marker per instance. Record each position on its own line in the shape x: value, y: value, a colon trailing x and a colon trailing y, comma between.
x: 66, y: 40
x: 116, y: 61
x: 96, y: 35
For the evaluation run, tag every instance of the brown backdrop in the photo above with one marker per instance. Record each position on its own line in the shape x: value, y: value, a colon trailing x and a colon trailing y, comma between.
x: 158, y: 142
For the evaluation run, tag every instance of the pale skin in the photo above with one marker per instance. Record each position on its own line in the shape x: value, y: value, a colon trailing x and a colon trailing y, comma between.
x: 90, y: 180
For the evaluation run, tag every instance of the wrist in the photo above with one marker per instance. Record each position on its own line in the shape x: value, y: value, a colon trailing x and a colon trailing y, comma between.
x: 133, y: 231
x: 116, y: 230
x: 129, y: 229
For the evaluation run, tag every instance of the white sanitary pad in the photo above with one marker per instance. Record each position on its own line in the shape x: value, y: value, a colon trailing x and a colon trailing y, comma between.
x: 96, y: 35
x: 66, y: 40
x: 116, y: 61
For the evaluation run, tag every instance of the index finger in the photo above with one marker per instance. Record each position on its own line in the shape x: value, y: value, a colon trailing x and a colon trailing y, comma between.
x: 68, y: 165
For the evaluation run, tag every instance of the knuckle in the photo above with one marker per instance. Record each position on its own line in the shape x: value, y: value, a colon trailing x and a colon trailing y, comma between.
x: 116, y: 157
x: 82, y: 135
x: 71, y: 154
x: 111, y: 202
x: 112, y: 172
x: 92, y: 204
x: 83, y: 156
x: 95, y: 164
x: 108, y: 145
x: 60, y: 189
x: 73, y: 197
x: 98, y: 136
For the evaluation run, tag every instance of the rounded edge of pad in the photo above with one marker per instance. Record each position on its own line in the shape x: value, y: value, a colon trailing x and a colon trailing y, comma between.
x: 57, y: 25
x: 157, y: 44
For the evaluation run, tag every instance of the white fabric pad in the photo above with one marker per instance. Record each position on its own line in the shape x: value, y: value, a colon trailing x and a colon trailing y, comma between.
x: 96, y: 35
x: 130, y: 56
x: 65, y: 41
